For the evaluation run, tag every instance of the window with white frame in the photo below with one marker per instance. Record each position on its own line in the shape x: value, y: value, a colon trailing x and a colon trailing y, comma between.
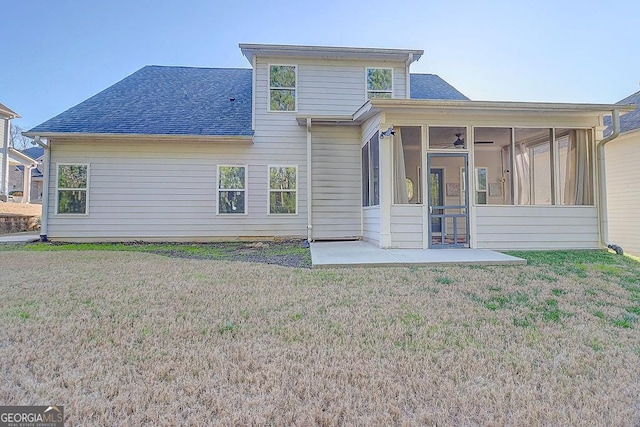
x: 379, y: 82
x: 282, y: 87
x: 232, y: 188
x: 283, y: 190
x: 72, y: 184
x: 481, y: 186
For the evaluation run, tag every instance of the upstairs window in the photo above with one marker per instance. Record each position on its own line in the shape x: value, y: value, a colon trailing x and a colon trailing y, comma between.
x: 379, y: 83
x: 282, y: 87
x: 73, y: 181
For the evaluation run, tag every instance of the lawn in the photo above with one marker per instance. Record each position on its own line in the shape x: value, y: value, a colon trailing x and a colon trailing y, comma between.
x: 145, y: 337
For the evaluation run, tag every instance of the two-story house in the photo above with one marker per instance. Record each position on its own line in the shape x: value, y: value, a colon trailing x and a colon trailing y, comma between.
x: 321, y: 143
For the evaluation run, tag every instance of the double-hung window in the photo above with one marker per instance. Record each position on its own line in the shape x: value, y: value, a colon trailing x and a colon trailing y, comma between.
x: 283, y: 190
x: 283, y: 81
x: 72, y: 184
x: 379, y: 83
x: 232, y: 189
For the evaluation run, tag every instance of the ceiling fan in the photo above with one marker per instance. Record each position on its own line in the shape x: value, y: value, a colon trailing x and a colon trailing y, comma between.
x: 459, y: 143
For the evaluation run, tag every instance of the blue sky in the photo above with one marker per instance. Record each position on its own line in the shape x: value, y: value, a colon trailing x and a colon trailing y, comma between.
x: 58, y: 53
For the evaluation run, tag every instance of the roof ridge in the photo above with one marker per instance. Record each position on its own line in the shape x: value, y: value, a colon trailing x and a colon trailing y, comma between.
x: 190, y: 67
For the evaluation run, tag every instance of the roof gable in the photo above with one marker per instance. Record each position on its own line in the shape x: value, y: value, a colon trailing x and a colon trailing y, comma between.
x: 431, y: 86
x: 157, y: 100
x: 8, y: 112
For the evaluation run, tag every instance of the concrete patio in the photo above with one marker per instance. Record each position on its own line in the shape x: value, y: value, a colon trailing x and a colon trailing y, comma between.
x: 26, y: 237
x: 363, y: 254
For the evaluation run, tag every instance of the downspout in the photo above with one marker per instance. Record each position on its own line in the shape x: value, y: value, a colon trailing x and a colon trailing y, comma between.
x: 309, y: 184
x: 45, y: 188
x: 602, y: 183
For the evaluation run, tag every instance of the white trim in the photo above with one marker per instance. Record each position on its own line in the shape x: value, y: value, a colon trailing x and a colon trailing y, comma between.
x: 86, y: 189
x: 329, y: 52
x: 493, y: 107
x: 366, y: 83
x: 254, y: 82
x: 269, y: 190
x: 245, y: 190
x: 269, y: 88
x: 214, y: 139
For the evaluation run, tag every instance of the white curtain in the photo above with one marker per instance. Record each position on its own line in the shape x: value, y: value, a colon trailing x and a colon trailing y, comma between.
x: 577, y: 183
x: 399, y: 181
x: 523, y: 174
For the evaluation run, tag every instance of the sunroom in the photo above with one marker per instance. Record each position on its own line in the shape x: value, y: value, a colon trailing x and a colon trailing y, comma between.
x: 469, y: 174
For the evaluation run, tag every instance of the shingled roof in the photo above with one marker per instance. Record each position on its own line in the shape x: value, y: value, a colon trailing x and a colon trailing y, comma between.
x: 431, y: 86
x: 158, y: 100
x: 630, y: 121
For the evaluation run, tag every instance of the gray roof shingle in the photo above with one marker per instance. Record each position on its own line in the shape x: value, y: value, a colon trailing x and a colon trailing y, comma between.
x: 629, y: 121
x: 33, y: 152
x: 157, y: 100
x: 431, y: 86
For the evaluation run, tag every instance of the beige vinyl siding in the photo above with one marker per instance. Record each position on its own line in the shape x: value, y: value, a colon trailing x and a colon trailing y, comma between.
x: 324, y: 87
x: 536, y: 227
x: 371, y: 224
x: 336, y: 179
x: 623, y: 191
x: 159, y: 190
x: 406, y: 226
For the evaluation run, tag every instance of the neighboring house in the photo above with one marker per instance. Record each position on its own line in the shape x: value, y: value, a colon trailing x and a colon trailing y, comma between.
x: 17, y: 178
x: 11, y: 158
x: 623, y: 181
x: 320, y: 143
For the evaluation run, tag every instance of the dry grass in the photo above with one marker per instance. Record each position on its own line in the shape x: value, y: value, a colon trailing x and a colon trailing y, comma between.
x: 133, y: 338
x: 20, y: 208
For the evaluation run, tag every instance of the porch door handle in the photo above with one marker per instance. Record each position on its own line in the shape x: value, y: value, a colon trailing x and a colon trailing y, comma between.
x: 430, y: 210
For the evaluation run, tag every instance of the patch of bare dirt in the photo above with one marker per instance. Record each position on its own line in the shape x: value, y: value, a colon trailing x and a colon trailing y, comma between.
x: 20, y: 208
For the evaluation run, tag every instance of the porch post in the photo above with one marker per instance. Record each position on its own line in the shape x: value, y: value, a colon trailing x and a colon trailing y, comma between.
x: 386, y: 186
x: 26, y: 183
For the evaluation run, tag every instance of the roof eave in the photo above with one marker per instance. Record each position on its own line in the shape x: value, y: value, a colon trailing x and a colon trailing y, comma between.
x: 233, y: 139
x: 25, y: 160
x: 505, y: 106
x: 8, y: 113
x: 329, y: 52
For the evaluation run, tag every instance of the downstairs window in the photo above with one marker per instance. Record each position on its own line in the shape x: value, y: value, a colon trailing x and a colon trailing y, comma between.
x: 72, y: 184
